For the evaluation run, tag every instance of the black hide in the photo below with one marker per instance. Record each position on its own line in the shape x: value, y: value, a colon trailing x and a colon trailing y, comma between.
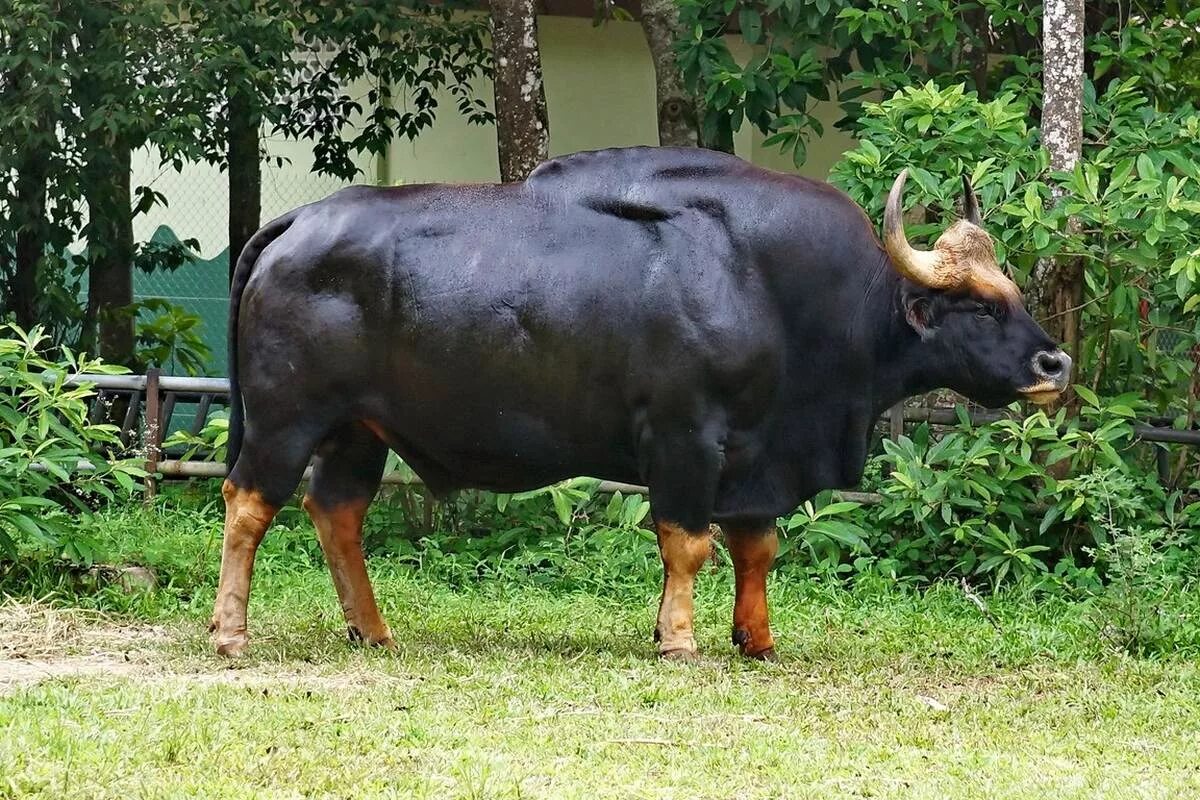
x: 723, y: 333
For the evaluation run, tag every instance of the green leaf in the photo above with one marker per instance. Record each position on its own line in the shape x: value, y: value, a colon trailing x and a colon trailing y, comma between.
x: 612, y: 512
x: 1146, y: 168
x: 839, y: 507
x: 562, y: 507
x: 750, y: 21
x: 29, y: 527
x: 1088, y: 396
x: 1049, y: 518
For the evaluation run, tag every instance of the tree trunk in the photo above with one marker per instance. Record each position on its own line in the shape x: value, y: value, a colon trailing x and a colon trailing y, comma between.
x: 677, y: 108
x: 110, y: 249
x: 104, y: 180
x: 245, y: 175
x: 1057, y: 289
x: 522, y: 128
x: 29, y: 213
x: 979, y: 20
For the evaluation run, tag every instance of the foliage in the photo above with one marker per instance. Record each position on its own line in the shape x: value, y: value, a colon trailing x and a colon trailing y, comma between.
x: 537, y: 534
x: 54, y: 462
x: 826, y: 533
x: 168, y: 337
x: 1133, y: 611
x: 982, y: 502
x: 210, y: 444
x: 804, y: 52
x: 247, y: 50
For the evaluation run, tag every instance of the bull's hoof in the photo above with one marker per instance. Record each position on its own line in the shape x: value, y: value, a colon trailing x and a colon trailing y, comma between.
x: 383, y: 640
x: 679, y: 654
x: 745, y: 644
x: 767, y: 654
x: 231, y: 645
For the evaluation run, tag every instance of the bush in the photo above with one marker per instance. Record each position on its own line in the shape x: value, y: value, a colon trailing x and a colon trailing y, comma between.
x: 210, y: 444
x: 54, y: 462
x: 545, y: 535
x: 1135, y: 611
x: 982, y: 502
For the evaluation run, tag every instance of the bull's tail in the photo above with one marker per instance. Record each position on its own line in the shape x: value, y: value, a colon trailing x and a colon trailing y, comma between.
x: 241, y: 276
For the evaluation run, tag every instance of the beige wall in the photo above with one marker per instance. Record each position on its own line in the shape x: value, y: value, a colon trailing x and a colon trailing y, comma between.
x: 600, y: 93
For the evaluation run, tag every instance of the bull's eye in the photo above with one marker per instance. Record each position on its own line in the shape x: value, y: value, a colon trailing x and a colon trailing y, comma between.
x: 983, y: 311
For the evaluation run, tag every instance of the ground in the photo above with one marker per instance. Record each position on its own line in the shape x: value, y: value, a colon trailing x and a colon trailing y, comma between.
x: 504, y: 688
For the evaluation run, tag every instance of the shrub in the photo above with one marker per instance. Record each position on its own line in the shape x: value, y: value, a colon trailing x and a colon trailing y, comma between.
x: 54, y: 461
x: 981, y: 502
x: 546, y: 535
x: 210, y: 444
x: 1134, y: 611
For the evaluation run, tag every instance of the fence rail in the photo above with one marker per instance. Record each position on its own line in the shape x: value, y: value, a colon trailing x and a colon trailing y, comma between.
x: 152, y: 399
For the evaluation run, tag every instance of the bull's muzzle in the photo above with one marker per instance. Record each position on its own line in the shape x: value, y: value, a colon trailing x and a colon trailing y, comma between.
x: 1052, y: 369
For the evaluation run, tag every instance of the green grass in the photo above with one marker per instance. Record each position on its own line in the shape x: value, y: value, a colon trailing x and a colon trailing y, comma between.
x: 512, y: 687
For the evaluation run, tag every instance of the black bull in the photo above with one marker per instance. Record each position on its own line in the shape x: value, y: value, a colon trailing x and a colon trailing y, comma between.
x: 724, y: 334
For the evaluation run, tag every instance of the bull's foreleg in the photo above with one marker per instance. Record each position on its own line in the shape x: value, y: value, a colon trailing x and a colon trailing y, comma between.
x: 683, y: 553
x: 753, y: 550
x: 339, y: 528
x: 247, y: 516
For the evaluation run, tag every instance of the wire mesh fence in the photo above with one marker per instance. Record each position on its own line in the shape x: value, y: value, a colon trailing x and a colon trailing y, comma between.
x: 197, y: 208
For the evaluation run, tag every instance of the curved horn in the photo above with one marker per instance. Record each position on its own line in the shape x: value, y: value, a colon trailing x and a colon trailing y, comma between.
x: 970, y: 203
x: 919, y: 266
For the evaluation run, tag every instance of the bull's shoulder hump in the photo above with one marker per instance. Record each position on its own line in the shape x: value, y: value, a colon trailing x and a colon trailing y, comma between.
x: 673, y: 176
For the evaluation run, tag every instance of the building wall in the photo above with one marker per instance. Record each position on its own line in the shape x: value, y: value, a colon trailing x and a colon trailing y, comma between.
x: 599, y: 93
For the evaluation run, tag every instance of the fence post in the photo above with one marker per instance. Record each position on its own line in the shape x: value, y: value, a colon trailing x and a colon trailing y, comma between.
x: 153, y: 434
x: 896, y: 418
x: 1162, y: 460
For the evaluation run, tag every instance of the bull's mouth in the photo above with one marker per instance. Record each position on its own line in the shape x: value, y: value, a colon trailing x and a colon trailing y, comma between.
x: 1043, y: 393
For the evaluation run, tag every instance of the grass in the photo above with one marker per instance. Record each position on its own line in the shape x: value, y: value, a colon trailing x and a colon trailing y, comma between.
x: 515, y: 688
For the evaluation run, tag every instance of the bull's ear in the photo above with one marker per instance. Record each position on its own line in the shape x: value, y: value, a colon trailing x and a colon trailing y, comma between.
x: 920, y: 313
x: 970, y: 203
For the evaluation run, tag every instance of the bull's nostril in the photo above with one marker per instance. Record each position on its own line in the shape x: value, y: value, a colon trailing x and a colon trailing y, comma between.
x: 1050, y: 364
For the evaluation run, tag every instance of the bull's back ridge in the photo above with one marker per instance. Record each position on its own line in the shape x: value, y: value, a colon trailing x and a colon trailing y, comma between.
x: 592, y: 176
x: 621, y: 171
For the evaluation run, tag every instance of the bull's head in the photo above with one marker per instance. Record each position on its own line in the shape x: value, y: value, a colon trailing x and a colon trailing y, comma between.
x: 970, y: 314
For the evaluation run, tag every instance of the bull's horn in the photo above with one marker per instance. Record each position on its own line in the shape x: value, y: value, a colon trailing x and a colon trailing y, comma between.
x: 970, y: 203
x: 919, y: 266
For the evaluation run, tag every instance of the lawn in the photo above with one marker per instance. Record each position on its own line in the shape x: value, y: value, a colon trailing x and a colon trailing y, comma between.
x: 506, y: 687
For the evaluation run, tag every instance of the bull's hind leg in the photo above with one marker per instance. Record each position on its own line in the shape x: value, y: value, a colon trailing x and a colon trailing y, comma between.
x: 683, y: 470
x: 346, y: 476
x: 753, y: 548
x: 247, y: 515
x: 266, y: 473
